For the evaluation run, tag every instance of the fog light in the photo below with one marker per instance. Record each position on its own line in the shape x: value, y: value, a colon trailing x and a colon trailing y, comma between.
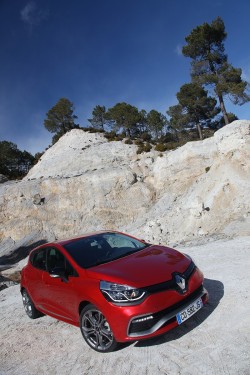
x: 139, y: 320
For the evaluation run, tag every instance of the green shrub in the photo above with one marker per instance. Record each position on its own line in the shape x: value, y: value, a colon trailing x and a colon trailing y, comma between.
x: 121, y: 136
x: 96, y: 130
x: 138, y: 142
x: 168, y: 137
x: 110, y: 135
x: 172, y: 145
x: 144, y: 148
x: 147, y: 147
x: 128, y: 141
x: 146, y: 137
x: 117, y: 138
x: 169, y: 146
x: 161, y: 147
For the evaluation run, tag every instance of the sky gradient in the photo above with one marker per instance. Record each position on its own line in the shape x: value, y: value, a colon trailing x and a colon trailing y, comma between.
x: 102, y: 52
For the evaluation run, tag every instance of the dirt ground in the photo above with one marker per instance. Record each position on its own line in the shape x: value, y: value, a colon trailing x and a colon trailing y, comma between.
x: 214, y: 341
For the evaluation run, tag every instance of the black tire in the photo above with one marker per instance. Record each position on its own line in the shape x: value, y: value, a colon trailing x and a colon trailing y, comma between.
x: 96, y: 330
x: 29, y: 306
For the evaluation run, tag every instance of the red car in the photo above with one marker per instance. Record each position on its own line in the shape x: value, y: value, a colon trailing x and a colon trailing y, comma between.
x: 115, y: 287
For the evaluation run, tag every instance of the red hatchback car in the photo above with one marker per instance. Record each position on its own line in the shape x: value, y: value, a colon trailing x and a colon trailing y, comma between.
x: 115, y: 287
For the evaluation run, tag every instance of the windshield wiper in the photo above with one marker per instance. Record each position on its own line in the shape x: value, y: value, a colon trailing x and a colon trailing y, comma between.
x: 107, y: 260
x: 130, y: 252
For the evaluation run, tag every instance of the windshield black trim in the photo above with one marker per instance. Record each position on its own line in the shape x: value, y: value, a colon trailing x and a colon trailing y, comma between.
x: 81, y: 249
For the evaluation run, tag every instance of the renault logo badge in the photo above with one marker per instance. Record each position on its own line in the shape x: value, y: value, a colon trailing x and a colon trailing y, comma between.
x: 181, y: 282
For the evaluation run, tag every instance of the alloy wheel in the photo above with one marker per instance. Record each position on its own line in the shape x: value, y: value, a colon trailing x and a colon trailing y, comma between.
x: 27, y: 303
x: 96, y: 330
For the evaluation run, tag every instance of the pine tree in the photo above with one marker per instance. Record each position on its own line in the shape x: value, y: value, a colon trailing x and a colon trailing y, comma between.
x: 124, y: 117
x: 99, y: 117
x: 156, y: 122
x: 177, y: 119
x: 195, y: 108
x: 60, y: 118
x: 14, y: 163
x: 210, y: 67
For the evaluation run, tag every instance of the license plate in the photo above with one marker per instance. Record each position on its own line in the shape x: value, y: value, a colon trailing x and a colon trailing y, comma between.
x: 189, y: 311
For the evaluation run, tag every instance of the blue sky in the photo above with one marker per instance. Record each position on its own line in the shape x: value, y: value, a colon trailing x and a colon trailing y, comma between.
x: 102, y: 52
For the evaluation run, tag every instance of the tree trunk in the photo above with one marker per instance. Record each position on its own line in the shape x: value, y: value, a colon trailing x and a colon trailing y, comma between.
x: 223, y: 109
x: 199, y: 130
x: 220, y: 97
x: 176, y: 135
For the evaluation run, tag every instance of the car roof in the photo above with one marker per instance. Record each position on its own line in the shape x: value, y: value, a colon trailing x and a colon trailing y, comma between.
x: 72, y: 239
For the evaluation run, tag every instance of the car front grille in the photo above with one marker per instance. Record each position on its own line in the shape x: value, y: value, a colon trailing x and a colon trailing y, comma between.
x: 144, y: 325
x: 171, y: 284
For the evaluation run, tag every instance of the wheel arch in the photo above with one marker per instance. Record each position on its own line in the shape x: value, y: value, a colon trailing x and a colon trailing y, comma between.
x: 82, y: 305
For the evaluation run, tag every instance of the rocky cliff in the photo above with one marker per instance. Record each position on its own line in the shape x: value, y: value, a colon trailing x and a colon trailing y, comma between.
x: 85, y: 183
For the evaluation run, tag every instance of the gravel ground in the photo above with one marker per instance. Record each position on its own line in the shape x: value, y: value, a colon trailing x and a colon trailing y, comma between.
x: 214, y: 341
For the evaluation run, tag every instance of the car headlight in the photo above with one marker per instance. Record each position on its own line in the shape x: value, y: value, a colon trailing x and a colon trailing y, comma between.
x: 120, y: 293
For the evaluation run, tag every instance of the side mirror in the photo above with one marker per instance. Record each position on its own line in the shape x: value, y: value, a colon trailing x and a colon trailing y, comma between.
x: 59, y: 272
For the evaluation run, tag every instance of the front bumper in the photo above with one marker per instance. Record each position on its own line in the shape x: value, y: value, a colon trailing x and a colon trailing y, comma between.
x: 157, y: 313
x: 153, y: 317
x: 145, y: 325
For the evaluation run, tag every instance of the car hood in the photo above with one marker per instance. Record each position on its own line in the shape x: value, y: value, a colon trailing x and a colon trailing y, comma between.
x: 152, y: 265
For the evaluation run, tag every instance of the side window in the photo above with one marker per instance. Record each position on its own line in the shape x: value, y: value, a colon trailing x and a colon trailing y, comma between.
x: 38, y: 259
x: 57, y: 261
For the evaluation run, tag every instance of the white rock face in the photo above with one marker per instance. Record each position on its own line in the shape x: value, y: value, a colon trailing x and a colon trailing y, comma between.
x: 85, y: 183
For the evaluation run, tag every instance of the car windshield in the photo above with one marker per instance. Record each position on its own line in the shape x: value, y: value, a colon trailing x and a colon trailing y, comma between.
x: 102, y: 248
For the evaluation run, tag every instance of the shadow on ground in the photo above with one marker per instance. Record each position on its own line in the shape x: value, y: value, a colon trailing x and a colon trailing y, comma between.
x: 6, y: 261
x: 215, y: 289
x: 6, y: 282
x: 9, y: 261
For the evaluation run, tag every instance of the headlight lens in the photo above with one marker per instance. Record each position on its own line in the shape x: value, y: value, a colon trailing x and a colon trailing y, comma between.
x: 120, y: 293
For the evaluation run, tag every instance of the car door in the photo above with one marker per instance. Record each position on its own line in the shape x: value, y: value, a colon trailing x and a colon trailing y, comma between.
x: 35, y: 285
x: 61, y: 294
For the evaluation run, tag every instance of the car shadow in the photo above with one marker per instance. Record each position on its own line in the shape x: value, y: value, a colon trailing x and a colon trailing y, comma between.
x: 215, y: 289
